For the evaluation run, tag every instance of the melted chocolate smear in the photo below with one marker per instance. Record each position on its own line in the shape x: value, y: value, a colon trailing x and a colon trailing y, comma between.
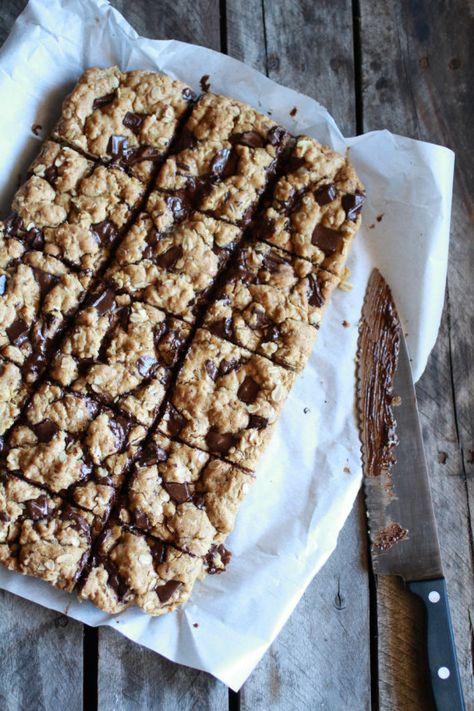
x: 184, y: 141
x: 352, y: 204
x: 51, y: 175
x: 225, y: 163
x: 134, y: 121
x: 295, y: 164
x: 188, y: 94
x: 18, y: 332
x: 170, y: 345
x: 178, y: 492
x: 141, y: 520
x: 220, y: 442
x: 326, y: 194
x: 103, y: 101
x: 168, y: 259
x: 114, y: 579
x: 146, y: 365
x: 120, y: 427
x: 204, y: 82
x: 35, y: 238
x: 104, y: 302
x: 379, y: 343
x: 276, y: 135
x: 248, y: 390
x: 272, y: 333
x: 212, y: 369
x: 227, y: 366
x: 34, y: 364
x: 251, y: 139
x: 315, y: 298
x: 44, y: 280
x: 158, y: 551
x: 165, y: 592
x: 256, y: 422
x: 45, y: 430
x: 78, y: 521
x: 153, y: 454
x: 222, y: 328
x: 37, y: 508
x: 136, y: 155
x: 13, y: 225
x: 3, y: 284
x: 175, y: 421
x: 329, y: 241
x: 104, y: 232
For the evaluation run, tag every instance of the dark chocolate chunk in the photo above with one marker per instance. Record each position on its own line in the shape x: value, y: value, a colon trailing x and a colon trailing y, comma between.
x: 175, y: 420
x: 117, y: 147
x: 212, y: 369
x: 217, y: 554
x: 33, y: 365
x: 271, y: 333
x: 158, y: 551
x: 295, y: 164
x: 136, y: 155
x: 87, y: 468
x: 165, y: 592
x: 276, y: 135
x: 4, y: 517
x: 115, y: 581
x: 103, y: 101
x: 152, y: 239
x: 140, y: 519
x: 104, y: 301
x: 45, y: 430
x: 168, y: 259
x: 120, y: 427
x: 35, y: 238
x: 184, y: 140
x: 315, y: 298
x: 273, y: 261
x: 169, y: 347
x: 224, y: 163
x: 248, y: 390
x: 18, y: 332
x: 256, y: 422
x: 3, y: 284
x: 178, y: 492
x: 222, y: 328
x: 188, y: 94
x: 92, y: 406
x: 104, y: 232
x: 134, y: 121
x: 13, y: 225
x: 326, y: 194
x: 220, y: 442
x: 146, y: 365
x: 177, y: 205
x: 44, y: 280
x: 252, y: 139
x: 51, y: 174
x: 37, y: 508
x: 352, y: 204
x: 227, y: 366
x: 78, y: 521
x: 204, y: 82
x: 329, y: 241
x: 152, y: 455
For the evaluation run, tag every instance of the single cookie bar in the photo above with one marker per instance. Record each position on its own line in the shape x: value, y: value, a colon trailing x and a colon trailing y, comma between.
x: 121, y: 352
x: 183, y: 495
x: 13, y: 394
x: 220, y: 178
x: 219, y: 118
x: 172, y: 264
x: 37, y: 296
x: 42, y: 536
x: 130, y: 568
x: 315, y: 208
x: 127, y: 117
x: 271, y: 303
x: 226, y: 400
x: 73, y: 446
x: 72, y: 209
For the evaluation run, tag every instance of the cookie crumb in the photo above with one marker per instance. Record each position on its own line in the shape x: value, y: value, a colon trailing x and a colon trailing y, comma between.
x: 293, y: 111
x: 204, y: 82
x: 380, y: 217
x: 306, y: 410
x: 195, y: 624
x: 346, y: 324
x: 442, y: 457
x: 36, y: 128
x: 347, y: 470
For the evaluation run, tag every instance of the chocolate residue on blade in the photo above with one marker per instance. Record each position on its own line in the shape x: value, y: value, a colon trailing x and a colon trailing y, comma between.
x: 379, y: 343
x: 386, y: 537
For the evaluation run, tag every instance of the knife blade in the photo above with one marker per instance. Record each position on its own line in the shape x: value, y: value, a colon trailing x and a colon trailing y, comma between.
x: 401, y: 521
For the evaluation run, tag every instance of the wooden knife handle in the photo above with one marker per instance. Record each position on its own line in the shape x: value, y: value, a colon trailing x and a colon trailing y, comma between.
x: 442, y: 660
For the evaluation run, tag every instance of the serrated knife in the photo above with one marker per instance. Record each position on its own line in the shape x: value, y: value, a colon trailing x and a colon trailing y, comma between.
x: 402, y: 525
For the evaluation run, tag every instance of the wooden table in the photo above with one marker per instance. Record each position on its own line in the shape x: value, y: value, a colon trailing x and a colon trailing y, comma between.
x: 353, y: 642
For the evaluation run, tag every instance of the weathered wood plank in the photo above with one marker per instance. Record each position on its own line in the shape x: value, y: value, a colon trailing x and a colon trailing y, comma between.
x: 308, y: 46
x: 41, y: 657
x: 416, y: 61
x: 133, y: 678
x: 9, y: 12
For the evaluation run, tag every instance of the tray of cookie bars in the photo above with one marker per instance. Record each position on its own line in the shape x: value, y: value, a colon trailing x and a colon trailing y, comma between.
x: 164, y: 271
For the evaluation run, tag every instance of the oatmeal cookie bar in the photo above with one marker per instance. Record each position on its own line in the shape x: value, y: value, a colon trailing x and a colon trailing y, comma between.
x: 73, y: 446
x: 126, y: 117
x: 183, y: 495
x: 226, y: 400
x: 315, y: 208
x: 170, y: 259
x: 121, y: 351
x: 40, y: 535
x: 37, y: 296
x: 271, y: 303
x: 130, y: 568
x: 72, y: 209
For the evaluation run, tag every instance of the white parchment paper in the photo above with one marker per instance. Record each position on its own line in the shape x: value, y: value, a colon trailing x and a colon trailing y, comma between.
x: 288, y: 525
